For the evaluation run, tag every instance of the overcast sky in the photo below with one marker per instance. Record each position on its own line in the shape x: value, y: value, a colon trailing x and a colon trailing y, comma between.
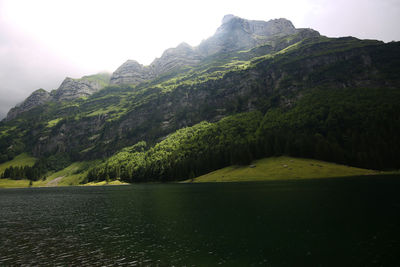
x: 43, y: 41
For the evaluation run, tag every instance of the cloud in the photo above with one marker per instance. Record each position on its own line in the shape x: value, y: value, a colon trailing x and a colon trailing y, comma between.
x: 26, y: 66
x: 371, y: 19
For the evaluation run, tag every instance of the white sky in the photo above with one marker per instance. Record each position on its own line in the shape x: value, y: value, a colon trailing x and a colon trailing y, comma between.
x: 43, y: 41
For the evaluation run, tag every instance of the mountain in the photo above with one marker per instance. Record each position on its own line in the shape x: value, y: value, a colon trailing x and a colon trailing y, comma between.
x: 131, y: 72
x: 237, y: 33
x: 37, y: 98
x: 254, y: 89
x: 69, y: 89
x: 234, y: 34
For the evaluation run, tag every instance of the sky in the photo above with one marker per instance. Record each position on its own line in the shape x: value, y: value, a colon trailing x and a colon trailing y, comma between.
x: 44, y: 41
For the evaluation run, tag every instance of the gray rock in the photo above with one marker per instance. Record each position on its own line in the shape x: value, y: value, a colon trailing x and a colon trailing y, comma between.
x: 174, y: 58
x: 69, y: 89
x: 76, y: 88
x: 38, y: 97
x: 131, y: 72
x: 235, y: 33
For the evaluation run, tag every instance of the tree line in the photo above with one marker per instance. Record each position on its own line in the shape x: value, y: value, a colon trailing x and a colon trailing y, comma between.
x: 351, y: 126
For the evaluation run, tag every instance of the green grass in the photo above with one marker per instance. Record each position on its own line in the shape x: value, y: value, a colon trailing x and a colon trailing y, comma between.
x: 8, y: 183
x: 282, y: 168
x: 74, y: 174
x: 115, y: 182
x: 21, y: 160
x: 53, y: 123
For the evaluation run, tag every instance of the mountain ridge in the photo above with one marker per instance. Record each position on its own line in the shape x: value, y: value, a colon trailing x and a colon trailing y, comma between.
x: 242, y: 34
x: 281, y: 97
x: 132, y: 72
x: 69, y: 89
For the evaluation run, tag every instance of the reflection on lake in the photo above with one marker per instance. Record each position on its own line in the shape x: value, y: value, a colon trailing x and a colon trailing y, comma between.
x: 328, y: 222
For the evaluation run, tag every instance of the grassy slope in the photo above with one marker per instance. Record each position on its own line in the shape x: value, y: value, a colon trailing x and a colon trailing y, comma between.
x: 74, y: 174
x: 21, y: 160
x: 276, y: 168
x: 71, y: 175
x: 282, y: 168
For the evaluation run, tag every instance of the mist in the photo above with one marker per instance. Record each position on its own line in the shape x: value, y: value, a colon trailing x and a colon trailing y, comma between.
x: 26, y: 66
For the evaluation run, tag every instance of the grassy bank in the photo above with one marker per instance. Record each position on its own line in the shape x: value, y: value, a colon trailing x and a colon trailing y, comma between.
x: 9, y: 183
x: 282, y: 168
x: 268, y: 169
x: 72, y: 175
x: 116, y: 182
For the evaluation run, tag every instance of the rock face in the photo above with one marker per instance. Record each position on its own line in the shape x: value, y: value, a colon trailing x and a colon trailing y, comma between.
x: 38, y: 97
x: 75, y: 88
x: 69, y: 89
x: 235, y: 33
x: 131, y: 72
x: 173, y: 58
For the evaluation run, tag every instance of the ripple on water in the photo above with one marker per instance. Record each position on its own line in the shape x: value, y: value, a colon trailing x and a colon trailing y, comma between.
x: 189, y: 225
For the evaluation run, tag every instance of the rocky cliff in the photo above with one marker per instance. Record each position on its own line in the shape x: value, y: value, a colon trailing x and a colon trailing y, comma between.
x: 234, y: 34
x: 38, y: 97
x: 237, y: 33
x: 131, y: 72
x: 271, y: 78
x: 173, y: 58
x: 76, y: 88
x: 69, y: 89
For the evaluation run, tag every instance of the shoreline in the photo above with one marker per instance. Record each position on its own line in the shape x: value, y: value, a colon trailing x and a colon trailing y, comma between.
x: 103, y: 183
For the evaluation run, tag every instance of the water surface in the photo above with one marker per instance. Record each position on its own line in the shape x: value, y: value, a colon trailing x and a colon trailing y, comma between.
x: 328, y: 222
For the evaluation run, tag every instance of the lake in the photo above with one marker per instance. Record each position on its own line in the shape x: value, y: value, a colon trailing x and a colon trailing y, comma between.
x: 325, y: 222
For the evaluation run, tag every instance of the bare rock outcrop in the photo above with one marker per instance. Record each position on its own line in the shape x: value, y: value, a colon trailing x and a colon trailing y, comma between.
x: 131, y: 72
x: 237, y: 33
x: 69, y: 89
x: 38, y: 97
x: 234, y: 34
x: 76, y: 88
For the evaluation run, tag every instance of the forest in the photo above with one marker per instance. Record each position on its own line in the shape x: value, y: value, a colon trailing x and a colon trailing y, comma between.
x: 349, y: 126
x: 332, y: 99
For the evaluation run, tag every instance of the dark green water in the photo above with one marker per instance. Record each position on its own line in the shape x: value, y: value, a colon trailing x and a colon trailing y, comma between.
x: 334, y: 222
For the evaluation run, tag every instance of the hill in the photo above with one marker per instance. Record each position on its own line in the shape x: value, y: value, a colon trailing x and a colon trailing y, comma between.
x: 281, y: 168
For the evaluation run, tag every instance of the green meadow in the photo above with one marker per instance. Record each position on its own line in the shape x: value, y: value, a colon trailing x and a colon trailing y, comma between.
x: 282, y: 168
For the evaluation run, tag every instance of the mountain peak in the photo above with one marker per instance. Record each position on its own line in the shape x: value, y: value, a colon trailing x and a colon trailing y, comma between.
x: 37, y: 98
x: 238, y: 33
x: 227, y: 18
x: 184, y: 45
x: 74, y: 88
x: 234, y: 33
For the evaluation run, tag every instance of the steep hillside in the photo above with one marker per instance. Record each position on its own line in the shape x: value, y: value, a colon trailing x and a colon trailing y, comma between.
x: 69, y: 89
x: 293, y: 92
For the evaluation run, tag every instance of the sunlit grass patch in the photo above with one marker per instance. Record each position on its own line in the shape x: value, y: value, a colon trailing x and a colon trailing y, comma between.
x: 19, y: 161
x: 282, y: 168
x: 9, y: 183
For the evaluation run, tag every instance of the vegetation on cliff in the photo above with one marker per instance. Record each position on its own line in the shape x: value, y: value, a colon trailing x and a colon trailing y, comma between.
x: 303, y: 95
